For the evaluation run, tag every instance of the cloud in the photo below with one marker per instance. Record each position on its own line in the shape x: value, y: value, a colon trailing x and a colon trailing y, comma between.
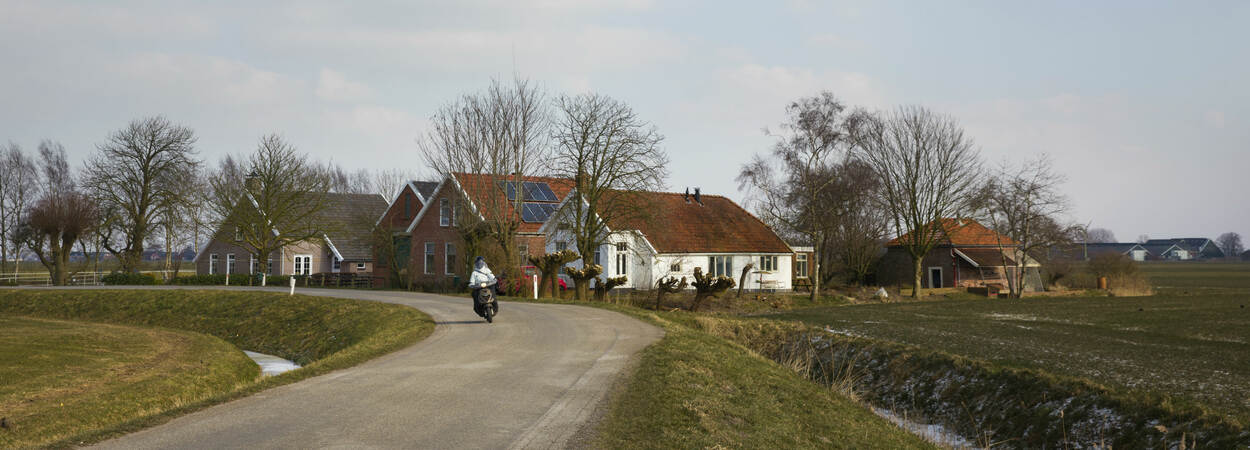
x: 333, y: 86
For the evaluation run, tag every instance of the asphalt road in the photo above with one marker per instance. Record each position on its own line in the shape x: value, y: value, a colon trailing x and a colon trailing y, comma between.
x: 533, y: 379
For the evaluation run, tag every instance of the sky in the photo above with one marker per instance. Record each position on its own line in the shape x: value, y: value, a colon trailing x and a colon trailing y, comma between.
x: 1143, y: 106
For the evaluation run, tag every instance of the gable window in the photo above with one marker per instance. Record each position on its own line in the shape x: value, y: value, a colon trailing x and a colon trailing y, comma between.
x: 444, y: 212
x: 622, y: 258
x: 230, y: 263
x: 720, y: 266
x: 337, y: 265
x: 450, y: 259
x: 800, y: 265
x: 303, y: 265
x: 429, y: 258
x: 524, y: 252
x: 407, y: 206
x: 768, y: 263
x: 238, y: 234
x: 212, y: 264
x: 674, y: 267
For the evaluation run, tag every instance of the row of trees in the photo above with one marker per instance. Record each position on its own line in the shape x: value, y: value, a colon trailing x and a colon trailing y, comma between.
x: 844, y: 179
x: 146, y: 186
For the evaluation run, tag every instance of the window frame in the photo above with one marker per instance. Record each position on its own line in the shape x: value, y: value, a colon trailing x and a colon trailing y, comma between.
x: 444, y: 212
x: 523, y: 252
x: 335, y: 265
x: 768, y: 263
x: 229, y: 263
x: 360, y: 266
x: 304, y: 269
x: 430, y: 251
x: 720, y: 265
x: 449, y: 258
x: 800, y: 267
x: 212, y: 264
x: 674, y: 267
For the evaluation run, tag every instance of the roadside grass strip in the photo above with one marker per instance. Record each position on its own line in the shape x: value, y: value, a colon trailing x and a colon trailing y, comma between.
x: 320, y: 334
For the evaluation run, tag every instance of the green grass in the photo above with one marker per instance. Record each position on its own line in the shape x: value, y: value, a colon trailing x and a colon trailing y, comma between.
x: 62, y: 378
x: 695, y: 390
x: 1189, y: 349
x: 1198, y: 278
x: 322, y: 334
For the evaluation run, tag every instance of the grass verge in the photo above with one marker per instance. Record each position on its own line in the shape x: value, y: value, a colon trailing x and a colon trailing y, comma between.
x: 62, y: 378
x: 695, y: 390
x: 322, y: 334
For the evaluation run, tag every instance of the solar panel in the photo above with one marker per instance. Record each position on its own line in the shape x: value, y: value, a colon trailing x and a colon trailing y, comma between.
x: 533, y: 192
x: 537, y: 212
x: 510, y: 189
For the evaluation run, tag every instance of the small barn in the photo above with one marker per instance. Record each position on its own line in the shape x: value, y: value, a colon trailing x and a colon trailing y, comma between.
x: 968, y: 255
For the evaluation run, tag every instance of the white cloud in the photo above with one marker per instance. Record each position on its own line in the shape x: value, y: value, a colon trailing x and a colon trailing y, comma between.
x: 333, y: 86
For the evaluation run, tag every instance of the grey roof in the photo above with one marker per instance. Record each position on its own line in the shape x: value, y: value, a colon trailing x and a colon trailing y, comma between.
x: 1194, y: 245
x: 348, y: 220
x: 425, y: 188
x: 1158, y: 249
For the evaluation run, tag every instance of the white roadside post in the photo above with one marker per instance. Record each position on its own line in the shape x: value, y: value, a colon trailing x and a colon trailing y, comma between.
x: 535, y: 287
x: 227, y: 278
x: 292, y: 285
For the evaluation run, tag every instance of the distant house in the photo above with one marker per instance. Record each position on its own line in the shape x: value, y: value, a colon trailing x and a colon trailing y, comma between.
x: 1185, y: 249
x: 345, y: 247
x: 1085, y: 252
x: 1245, y: 256
x: 682, y: 232
x: 968, y: 255
x: 429, y: 247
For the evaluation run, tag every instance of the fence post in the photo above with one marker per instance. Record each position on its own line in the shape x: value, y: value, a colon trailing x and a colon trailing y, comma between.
x: 292, y: 285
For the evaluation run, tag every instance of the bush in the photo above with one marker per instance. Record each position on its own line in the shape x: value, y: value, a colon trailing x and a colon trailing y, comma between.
x: 1123, y: 277
x: 217, y: 280
x: 128, y: 279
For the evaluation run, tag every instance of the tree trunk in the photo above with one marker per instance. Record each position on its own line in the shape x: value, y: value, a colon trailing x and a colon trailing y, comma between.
x: 918, y: 271
x: 815, y: 279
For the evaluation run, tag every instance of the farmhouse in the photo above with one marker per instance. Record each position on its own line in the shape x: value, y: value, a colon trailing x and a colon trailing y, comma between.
x: 968, y: 255
x: 682, y: 232
x: 344, y: 247
x: 1185, y: 249
x: 429, y: 250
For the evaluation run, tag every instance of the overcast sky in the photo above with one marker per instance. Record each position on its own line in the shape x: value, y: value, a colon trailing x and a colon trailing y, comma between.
x: 1144, y: 106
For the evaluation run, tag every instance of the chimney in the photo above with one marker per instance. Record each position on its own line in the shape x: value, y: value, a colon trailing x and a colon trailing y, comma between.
x: 697, y: 197
x: 687, y: 195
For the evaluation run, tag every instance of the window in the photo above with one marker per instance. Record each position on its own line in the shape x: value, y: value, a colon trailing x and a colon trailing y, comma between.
x: 450, y: 259
x: 622, y: 258
x: 403, y: 251
x: 229, y: 263
x: 720, y: 265
x: 768, y: 263
x: 273, y: 267
x: 336, y: 265
x: 800, y: 265
x: 360, y: 267
x: 598, y: 257
x: 238, y: 234
x: 212, y: 264
x: 444, y: 212
x: 407, y: 206
x: 562, y: 246
x: 523, y: 251
x: 674, y: 267
x: 429, y: 258
x: 303, y: 265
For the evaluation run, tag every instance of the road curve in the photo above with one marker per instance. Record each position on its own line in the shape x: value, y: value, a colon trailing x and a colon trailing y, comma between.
x: 530, y: 380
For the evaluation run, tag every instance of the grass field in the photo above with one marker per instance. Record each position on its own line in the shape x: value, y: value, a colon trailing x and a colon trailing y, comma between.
x: 1189, y: 345
x: 59, y: 379
x: 322, y: 334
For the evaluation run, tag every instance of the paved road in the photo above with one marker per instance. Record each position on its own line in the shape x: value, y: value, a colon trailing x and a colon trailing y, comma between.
x: 530, y: 380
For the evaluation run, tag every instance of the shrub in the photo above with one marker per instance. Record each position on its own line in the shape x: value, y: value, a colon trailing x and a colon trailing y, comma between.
x: 218, y: 279
x: 128, y: 279
x: 1123, y: 277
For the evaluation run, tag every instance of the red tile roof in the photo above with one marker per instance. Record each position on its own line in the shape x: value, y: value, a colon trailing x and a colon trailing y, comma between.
x: 717, y: 226
x: 963, y: 232
x: 492, y: 202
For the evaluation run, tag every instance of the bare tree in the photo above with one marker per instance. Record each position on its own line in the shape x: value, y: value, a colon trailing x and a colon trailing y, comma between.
x: 136, y: 177
x: 1024, y: 203
x: 857, y: 226
x: 1230, y: 243
x: 1143, y: 238
x: 787, y: 190
x: 1099, y: 236
x: 495, y: 136
x: 612, y: 156
x: 18, y: 188
x: 60, y: 218
x: 271, y: 200
x: 388, y: 182
x: 928, y: 171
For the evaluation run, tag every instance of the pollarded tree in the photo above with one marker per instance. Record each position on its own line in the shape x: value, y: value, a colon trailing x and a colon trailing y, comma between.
x: 670, y: 285
x: 612, y: 156
x: 135, y: 177
x: 708, y: 287
x: 271, y: 200
x: 60, y: 218
x: 581, y: 278
x: 787, y: 189
x: 928, y: 169
x: 603, y: 287
x: 548, y: 266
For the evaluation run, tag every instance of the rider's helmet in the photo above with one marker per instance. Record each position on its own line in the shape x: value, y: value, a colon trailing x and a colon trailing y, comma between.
x: 479, y: 263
